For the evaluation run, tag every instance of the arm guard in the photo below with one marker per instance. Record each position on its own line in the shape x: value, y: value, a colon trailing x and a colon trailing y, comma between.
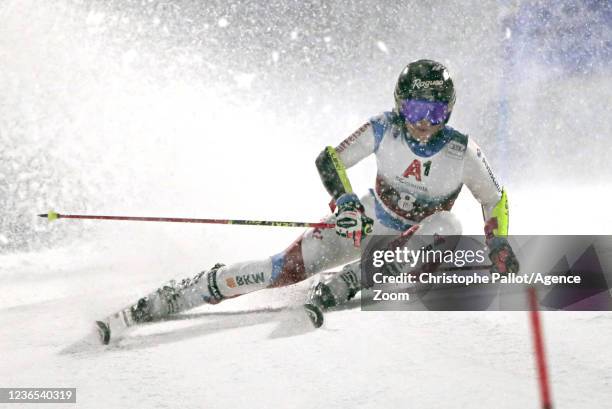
x: 497, y: 225
x: 333, y: 173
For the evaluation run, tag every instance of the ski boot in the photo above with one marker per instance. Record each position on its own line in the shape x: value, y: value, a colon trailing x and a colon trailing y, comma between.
x: 331, y: 290
x: 169, y: 299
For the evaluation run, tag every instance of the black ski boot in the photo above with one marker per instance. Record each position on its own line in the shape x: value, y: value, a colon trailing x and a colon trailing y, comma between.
x: 331, y: 290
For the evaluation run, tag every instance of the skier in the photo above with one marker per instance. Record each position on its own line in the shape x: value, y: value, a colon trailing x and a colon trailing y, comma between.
x: 422, y: 165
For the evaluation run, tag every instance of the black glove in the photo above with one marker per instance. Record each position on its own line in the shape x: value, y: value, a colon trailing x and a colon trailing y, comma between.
x: 502, y: 256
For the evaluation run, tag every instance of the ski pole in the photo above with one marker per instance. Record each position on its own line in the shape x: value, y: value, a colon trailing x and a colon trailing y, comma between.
x: 51, y: 216
x: 538, y: 343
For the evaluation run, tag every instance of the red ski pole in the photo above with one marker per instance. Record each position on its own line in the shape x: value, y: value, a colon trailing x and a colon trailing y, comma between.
x: 54, y: 216
x: 538, y: 341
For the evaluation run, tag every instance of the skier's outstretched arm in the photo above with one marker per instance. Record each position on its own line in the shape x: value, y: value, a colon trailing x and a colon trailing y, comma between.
x: 480, y: 179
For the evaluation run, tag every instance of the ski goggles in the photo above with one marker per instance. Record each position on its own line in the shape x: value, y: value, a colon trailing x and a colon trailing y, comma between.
x: 415, y: 110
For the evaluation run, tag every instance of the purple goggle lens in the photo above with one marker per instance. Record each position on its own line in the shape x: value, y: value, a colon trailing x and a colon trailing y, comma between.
x: 415, y: 110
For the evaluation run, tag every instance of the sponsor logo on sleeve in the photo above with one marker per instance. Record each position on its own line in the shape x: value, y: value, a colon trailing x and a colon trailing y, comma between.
x: 353, y: 138
x: 490, y: 172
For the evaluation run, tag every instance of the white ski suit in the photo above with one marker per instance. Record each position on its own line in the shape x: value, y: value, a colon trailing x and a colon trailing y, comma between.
x: 416, y: 184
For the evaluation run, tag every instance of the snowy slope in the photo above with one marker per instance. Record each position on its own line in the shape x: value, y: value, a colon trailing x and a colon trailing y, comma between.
x: 239, y: 355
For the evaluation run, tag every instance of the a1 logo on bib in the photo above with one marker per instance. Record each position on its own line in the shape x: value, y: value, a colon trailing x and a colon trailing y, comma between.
x: 414, y: 169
